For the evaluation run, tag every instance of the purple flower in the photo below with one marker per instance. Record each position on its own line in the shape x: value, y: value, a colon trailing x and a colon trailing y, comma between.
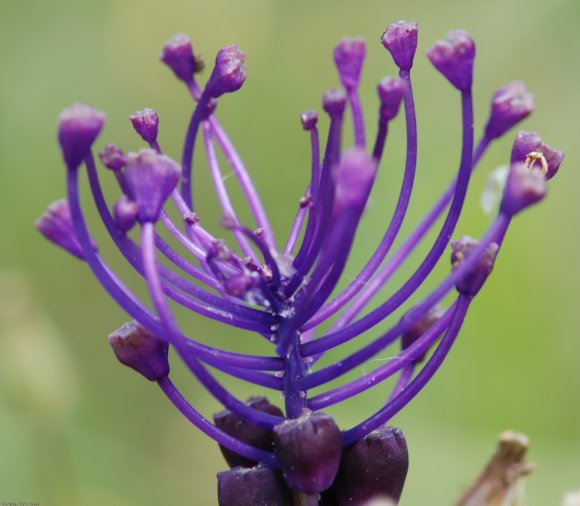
x: 284, y: 292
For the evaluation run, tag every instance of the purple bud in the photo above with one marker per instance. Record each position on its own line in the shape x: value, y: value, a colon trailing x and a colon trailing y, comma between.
x: 125, y: 212
x: 454, y: 57
x: 177, y: 54
x: 373, y: 468
x: 309, y: 119
x: 229, y: 72
x: 530, y: 142
x: 334, y: 102
x: 309, y: 450
x: 391, y: 92
x: 524, y: 187
x: 419, y: 328
x: 510, y: 104
x: 354, y: 178
x: 257, y: 486
x: 146, y: 124
x: 78, y: 127
x: 400, y: 39
x: 140, y: 350
x: 349, y: 55
x: 112, y: 157
x: 246, y: 432
x: 472, y: 282
x: 57, y: 226
x: 238, y: 285
x: 150, y: 178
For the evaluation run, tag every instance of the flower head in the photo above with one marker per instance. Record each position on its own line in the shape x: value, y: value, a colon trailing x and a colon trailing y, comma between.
x: 285, y: 292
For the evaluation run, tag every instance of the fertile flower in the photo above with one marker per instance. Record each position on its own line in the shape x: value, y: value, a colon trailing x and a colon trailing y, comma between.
x: 286, y: 292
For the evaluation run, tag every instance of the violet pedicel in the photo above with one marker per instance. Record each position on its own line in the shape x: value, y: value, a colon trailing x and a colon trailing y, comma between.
x: 299, y: 456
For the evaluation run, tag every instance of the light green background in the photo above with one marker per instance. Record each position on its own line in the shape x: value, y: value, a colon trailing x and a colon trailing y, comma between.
x: 78, y: 429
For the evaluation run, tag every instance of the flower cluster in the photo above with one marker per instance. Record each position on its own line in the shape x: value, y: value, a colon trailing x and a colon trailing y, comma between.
x: 284, y: 292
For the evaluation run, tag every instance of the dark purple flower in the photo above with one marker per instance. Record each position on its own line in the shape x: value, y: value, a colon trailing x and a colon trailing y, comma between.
x: 286, y: 292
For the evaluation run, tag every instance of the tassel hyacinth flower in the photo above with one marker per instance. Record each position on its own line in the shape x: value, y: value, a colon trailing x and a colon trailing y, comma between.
x: 284, y: 291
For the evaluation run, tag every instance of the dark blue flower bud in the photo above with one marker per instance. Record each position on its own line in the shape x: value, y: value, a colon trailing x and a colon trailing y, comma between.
x: 510, y: 104
x: 472, y: 282
x: 146, y: 124
x: 229, y: 72
x: 125, y: 213
x: 349, y: 56
x: 527, y: 143
x: 334, y: 102
x: 112, y: 157
x: 429, y: 319
x: 246, y: 432
x: 524, y: 187
x: 177, y: 54
x: 354, y: 178
x: 150, y: 179
x: 309, y: 450
x: 140, y: 350
x: 454, y: 57
x: 57, y: 226
x: 78, y: 127
x: 309, y: 119
x: 391, y: 92
x: 400, y: 39
x: 374, y: 468
x: 256, y: 486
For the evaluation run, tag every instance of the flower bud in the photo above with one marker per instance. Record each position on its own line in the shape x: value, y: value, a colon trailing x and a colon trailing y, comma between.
x: 309, y: 450
x: 78, y: 127
x: 510, y: 104
x: 229, y: 72
x: 429, y: 319
x: 529, y: 142
x: 150, y: 179
x: 125, y: 213
x: 57, y: 226
x: 309, y: 119
x: 112, y: 157
x: 400, y: 39
x: 257, y: 486
x: 473, y: 280
x: 246, y: 432
x: 177, y: 54
x: 238, y: 285
x: 140, y: 350
x: 454, y: 57
x: 391, y: 92
x: 354, y: 178
x: 334, y: 102
x: 146, y: 124
x: 524, y: 187
x: 373, y: 468
x: 349, y: 55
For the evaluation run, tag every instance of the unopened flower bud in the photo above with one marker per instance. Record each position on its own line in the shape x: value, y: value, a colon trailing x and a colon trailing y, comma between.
x: 391, y: 92
x: 140, y: 350
x: 454, y: 57
x: 238, y: 285
x: 400, y: 39
x: 112, y: 157
x: 349, y: 55
x: 150, y: 179
x: 524, y: 187
x: 229, y: 72
x: 354, y: 178
x: 473, y: 280
x: 309, y: 119
x: 57, y: 226
x: 530, y: 142
x: 146, y: 124
x: 372, y: 469
x: 510, y: 104
x: 334, y: 102
x: 309, y: 450
x: 78, y: 127
x: 256, y: 486
x: 246, y: 432
x: 177, y: 54
x: 429, y: 319
x: 125, y: 213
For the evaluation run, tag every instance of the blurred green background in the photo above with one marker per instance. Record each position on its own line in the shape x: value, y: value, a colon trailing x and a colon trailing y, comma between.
x: 78, y: 429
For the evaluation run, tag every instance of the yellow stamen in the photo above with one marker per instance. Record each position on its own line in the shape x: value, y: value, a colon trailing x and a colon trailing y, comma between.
x: 536, y: 156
